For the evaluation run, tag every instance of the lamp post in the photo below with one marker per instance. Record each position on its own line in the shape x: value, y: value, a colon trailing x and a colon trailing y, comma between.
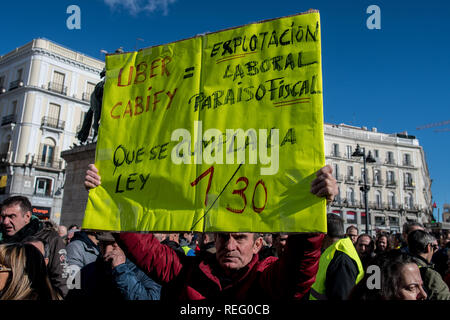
x: 365, y: 188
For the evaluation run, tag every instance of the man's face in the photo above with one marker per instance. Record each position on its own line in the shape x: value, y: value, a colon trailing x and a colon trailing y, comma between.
x: 280, y: 244
x: 362, y: 246
x: 268, y: 238
x: 12, y: 219
x: 382, y: 243
x: 353, y: 235
x: 235, y: 250
x: 411, y: 283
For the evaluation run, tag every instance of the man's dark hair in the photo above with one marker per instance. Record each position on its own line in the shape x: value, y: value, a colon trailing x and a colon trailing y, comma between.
x: 335, y: 226
x: 408, y: 225
x: 23, y: 202
x: 418, y: 240
x: 34, y: 239
x: 350, y: 228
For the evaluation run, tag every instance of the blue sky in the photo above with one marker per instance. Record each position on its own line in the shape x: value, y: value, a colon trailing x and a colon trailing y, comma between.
x: 395, y: 79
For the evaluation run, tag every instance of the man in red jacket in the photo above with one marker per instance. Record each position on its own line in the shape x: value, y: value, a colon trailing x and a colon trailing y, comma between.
x: 234, y: 271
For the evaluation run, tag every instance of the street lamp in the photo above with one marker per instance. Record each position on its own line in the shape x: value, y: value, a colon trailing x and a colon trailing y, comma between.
x: 365, y: 188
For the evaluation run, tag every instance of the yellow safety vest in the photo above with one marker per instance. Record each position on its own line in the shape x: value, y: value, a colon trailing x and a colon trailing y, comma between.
x: 344, y: 245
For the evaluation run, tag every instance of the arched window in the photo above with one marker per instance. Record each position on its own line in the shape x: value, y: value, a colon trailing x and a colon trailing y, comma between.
x: 47, y: 152
x: 378, y: 198
x: 409, y: 203
x: 391, y: 200
x: 350, y: 195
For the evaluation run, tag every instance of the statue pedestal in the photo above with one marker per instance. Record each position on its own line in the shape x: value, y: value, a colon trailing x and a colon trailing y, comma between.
x: 75, y: 194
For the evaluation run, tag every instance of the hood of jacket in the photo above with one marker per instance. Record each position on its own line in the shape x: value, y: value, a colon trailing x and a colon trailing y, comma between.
x: 82, y: 236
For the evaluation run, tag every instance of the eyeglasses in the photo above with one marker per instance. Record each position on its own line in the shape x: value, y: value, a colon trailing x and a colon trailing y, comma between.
x: 4, y: 269
x: 434, y: 246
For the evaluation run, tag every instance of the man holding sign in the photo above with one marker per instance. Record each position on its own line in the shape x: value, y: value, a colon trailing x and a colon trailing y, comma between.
x: 224, y: 135
x: 234, y: 272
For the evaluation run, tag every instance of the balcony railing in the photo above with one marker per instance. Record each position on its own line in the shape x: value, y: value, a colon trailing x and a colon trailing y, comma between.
x: 409, y: 185
x: 390, y: 161
x: 350, y: 179
x: 335, y: 154
x: 15, y: 84
x: 391, y: 183
x: 339, y: 177
x: 376, y: 205
x: 53, y: 123
x: 57, y: 87
x: 378, y: 182
x: 86, y: 96
x: 8, y: 119
x: 41, y: 161
x: 407, y: 163
x: 361, y: 180
x: 413, y: 208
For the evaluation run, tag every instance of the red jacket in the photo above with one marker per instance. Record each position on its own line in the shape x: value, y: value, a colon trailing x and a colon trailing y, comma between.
x: 195, y: 278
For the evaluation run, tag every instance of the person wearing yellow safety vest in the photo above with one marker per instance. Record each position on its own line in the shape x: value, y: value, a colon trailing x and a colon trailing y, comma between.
x: 340, y: 268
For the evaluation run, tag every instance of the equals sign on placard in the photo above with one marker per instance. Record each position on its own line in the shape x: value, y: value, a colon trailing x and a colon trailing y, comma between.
x: 188, y: 72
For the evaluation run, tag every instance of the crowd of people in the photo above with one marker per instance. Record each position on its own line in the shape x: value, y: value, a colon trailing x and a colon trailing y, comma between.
x: 40, y: 260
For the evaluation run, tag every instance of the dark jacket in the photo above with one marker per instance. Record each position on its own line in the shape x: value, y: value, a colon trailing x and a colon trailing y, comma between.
x: 134, y: 284
x: 57, y: 250
x: 341, y: 276
x: 434, y: 285
x: 195, y: 278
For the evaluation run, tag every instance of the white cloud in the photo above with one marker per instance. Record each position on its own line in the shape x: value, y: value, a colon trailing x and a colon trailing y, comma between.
x: 137, y: 6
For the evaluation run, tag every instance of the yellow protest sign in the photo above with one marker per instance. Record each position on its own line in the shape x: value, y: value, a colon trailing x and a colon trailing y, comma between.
x: 220, y: 132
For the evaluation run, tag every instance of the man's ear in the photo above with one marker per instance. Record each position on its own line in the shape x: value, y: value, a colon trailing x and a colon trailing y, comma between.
x: 27, y: 216
x: 257, y: 245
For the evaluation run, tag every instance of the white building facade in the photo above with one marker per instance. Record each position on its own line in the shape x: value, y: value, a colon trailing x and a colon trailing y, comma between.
x: 44, y: 93
x: 399, y: 181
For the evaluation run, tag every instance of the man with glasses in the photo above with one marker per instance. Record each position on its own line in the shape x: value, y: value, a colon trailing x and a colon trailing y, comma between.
x: 422, y: 246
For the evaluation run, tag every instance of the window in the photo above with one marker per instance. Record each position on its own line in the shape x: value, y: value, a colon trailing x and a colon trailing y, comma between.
x: 363, y: 175
x: 390, y: 178
x: 393, y: 221
x: 409, y: 203
x: 376, y: 154
x: 390, y: 157
x: 351, y: 216
x: 89, y: 89
x: 54, y: 111
x: 335, y: 150
x: 391, y: 200
x: 337, y: 199
x: 43, y: 187
x: 58, y: 78
x: 336, y: 171
x: 408, y: 180
x: 380, y: 221
x: 19, y: 74
x: 350, y: 171
x: 349, y: 152
x: 351, y: 196
x: 378, y: 199
x: 363, y: 217
x: 47, y: 155
x: 406, y: 159
x: 377, y: 177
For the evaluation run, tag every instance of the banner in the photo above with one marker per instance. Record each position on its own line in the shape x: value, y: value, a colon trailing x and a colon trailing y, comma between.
x: 220, y: 132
